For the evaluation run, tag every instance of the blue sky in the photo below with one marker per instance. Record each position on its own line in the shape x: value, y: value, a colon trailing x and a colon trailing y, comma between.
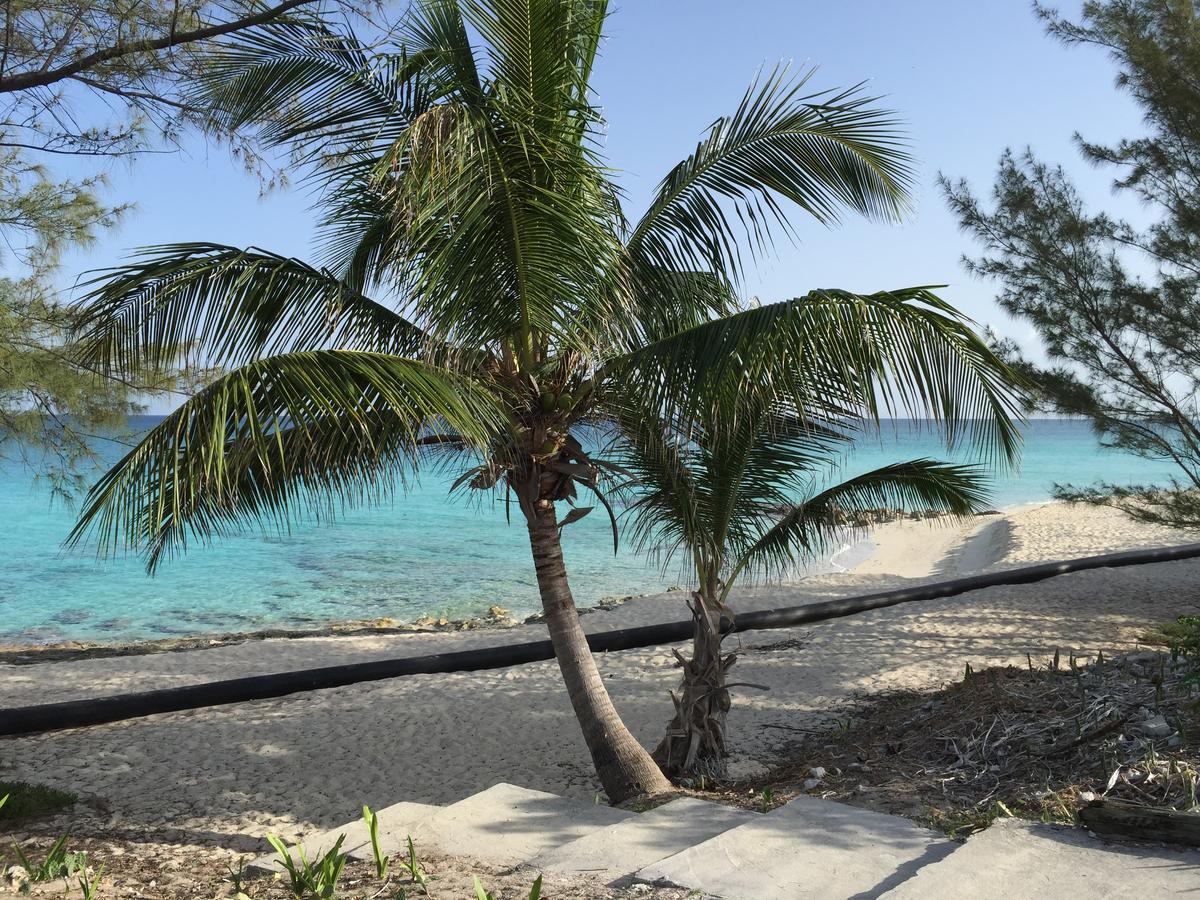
x: 968, y: 77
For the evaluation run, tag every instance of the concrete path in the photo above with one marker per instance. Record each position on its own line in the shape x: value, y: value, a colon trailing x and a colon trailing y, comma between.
x: 1018, y: 860
x: 615, y: 852
x: 807, y: 848
x: 508, y: 825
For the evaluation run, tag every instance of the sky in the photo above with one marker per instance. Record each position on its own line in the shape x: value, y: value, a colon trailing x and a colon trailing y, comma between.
x: 968, y: 78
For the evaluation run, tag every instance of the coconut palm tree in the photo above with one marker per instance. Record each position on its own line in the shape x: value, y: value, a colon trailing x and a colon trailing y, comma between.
x: 480, y: 296
x: 745, y: 492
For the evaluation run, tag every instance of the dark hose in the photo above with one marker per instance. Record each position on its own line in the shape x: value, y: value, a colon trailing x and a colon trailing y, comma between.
x: 78, y: 713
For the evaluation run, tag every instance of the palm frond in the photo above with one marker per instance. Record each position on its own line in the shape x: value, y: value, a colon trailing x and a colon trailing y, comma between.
x: 819, y: 523
x: 226, y: 306
x: 824, y: 152
x: 305, y: 86
x: 838, y: 354
x: 706, y: 491
x: 277, y: 439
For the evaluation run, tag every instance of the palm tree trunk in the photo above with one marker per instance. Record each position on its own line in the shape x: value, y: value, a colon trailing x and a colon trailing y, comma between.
x: 625, y: 768
x: 694, y: 744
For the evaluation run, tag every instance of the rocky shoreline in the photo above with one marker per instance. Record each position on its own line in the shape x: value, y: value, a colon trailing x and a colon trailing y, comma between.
x: 496, y: 617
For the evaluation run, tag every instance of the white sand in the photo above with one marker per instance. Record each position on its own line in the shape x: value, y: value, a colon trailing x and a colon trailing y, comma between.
x: 229, y: 774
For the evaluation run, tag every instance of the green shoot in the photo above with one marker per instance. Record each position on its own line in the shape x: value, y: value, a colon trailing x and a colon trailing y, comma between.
x: 59, y: 862
x: 413, y: 867
x: 91, y: 889
x: 767, y: 796
x: 237, y: 876
x: 317, y: 878
x: 381, y: 861
x: 480, y: 893
x: 535, y: 892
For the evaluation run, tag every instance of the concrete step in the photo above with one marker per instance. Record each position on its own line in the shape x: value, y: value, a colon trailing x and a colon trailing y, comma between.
x: 508, y: 825
x: 620, y: 850
x: 1018, y: 860
x: 398, y: 819
x: 808, y: 848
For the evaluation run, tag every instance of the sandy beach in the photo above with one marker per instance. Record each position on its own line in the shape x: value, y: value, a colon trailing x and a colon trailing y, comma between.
x: 229, y: 774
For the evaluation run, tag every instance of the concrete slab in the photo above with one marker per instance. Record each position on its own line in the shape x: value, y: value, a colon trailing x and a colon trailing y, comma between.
x: 397, y: 819
x: 620, y: 850
x: 508, y: 825
x: 808, y: 848
x: 1018, y: 860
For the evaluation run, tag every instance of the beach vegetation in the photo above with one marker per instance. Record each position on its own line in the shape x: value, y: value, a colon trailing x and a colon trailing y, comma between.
x: 481, y: 893
x: 89, y: 888
x: 22, y: 800
x: 371, y: 819
x: 1115, y: 303
x: 483, y: 302
x: 412, y: 867
x: 315, y: 879
x: 1182, y: 639
x: 750, y: 491
x: 59, y: 862
x: 84, y: 83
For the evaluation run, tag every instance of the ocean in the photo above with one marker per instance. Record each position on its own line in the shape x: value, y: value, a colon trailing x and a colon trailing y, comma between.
x: 420, y: 554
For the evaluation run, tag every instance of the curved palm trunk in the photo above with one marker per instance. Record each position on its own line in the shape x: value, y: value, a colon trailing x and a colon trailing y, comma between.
x: 625, y: 768
x: 694, y: 743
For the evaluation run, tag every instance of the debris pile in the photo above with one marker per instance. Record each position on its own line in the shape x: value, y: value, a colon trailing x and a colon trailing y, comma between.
x: 1039, y: 741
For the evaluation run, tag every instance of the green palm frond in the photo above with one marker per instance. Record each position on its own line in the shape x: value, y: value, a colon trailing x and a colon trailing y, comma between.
x: 292, y: 435
x: 228, y: 306
x: 819, y: 523
x: 496, y: 239
x: 822, y: 152
x: 540, y: 53
x: 706, y: 490
x: 871, y: 355
x: 501, y: 216
x: 304, y: 85
x: 337, y: 105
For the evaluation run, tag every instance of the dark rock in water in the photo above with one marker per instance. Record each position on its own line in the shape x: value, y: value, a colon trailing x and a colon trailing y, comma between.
x: 71, y: 616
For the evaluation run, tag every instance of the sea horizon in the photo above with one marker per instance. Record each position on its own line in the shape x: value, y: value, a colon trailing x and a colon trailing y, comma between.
x: 420, y: 554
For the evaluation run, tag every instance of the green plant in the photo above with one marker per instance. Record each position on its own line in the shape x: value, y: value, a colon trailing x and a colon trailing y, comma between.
x: 24, y: 800
x: 372, y: 821
x: 746, y: 490
x: 1182, y: 638
x: 412, y: 866
x: 765, y: 800
x: 464, y: 178
x: 535, y: 892
x: 312, y: 879
x: 1113, y: 301
x: 237, y: 877
x: 58, y: 863
x: 91, y: 889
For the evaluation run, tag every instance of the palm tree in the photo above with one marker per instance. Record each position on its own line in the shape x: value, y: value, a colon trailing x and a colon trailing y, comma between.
x: 740, y: 494
x: 481, y: 298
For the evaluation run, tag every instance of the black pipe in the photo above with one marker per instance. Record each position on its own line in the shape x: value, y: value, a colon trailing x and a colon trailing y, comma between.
x: 78, y: 713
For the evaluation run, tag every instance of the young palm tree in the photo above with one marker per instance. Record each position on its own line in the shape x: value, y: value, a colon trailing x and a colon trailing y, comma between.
x: 480, y: 296
x: 741, y: 493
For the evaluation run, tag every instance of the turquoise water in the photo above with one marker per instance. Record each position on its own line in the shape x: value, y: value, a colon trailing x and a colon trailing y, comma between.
x: 419, y: 555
